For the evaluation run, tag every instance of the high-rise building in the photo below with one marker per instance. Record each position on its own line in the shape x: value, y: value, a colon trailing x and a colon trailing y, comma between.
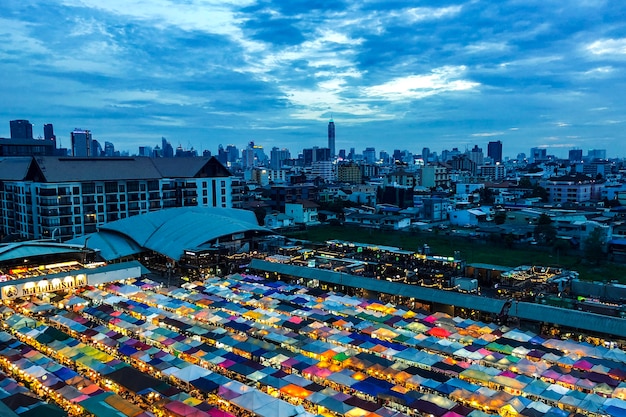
x: 596, y: 154
x: 476, y: 155
x: 331, y: 138
x: 575, y: 155
x: 315, y: 154
x: 48, y: 132
x: 369, y: 155
x: 21, y: 129
x: 538, y: 154
x: 81, y: 142
x: 167, y: 150
x: 494, y: 151
x: 425, y: 154
x: 96, y: 148
x: 277, y: 156
x: 109, y: 149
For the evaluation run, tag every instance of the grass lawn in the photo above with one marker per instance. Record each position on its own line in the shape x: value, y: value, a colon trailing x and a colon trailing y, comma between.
x: 471, y: 249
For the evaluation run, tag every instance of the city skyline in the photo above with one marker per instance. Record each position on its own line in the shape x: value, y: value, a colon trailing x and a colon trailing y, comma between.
x: 391, y: 75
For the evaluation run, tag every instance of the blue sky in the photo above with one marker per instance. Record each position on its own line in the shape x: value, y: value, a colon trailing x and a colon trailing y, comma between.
x: 392, y: 74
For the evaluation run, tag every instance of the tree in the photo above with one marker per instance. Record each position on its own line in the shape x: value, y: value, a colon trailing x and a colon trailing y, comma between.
x: 499, y: 217
x: 594, y: 246
x: 545, y: 232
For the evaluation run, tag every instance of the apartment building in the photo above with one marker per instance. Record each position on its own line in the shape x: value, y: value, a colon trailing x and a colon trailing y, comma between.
x: 65, y: 197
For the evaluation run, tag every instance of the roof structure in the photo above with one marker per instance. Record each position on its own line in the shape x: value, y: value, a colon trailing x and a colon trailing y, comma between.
x: 14, y: 168
x: 171, y: 231
x: 53, y: 169
x: 34, y: 248
x: 66, y: 169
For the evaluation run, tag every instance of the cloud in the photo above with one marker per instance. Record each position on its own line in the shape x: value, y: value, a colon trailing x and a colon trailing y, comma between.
x: 420, y: 86
x: 614, y: 47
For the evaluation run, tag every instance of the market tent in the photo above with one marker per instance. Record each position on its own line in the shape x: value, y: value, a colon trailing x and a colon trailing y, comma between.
x: 132, y: 379
x: 253, y: 400
x: 190, y: 373
x: 278, y: 408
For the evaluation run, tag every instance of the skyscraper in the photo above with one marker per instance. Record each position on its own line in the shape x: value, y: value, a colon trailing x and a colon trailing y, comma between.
x: 575, y: 155
x: 331, y: 138
x: 21, y: 129
x: 494, y: 151
x: 81, y: 142
x: 48, y: 132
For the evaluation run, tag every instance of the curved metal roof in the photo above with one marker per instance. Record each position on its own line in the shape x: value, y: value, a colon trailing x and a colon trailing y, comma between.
x: 33, y: 248
x: 171, y: 231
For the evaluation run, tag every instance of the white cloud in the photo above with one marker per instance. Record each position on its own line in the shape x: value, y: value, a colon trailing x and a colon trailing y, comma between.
x: 607, y: 47
x: 486, y: 134
x: 440, y: 80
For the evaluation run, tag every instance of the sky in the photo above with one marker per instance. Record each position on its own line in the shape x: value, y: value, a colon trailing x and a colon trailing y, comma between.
x: 391, y: 74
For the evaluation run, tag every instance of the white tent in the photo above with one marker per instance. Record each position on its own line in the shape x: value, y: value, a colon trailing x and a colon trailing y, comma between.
x: 190, y: 373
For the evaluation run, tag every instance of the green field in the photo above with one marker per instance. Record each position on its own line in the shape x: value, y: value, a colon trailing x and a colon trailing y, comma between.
x: 472, y: 250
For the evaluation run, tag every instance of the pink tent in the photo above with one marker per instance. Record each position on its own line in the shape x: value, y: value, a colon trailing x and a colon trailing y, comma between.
x: 319, y: 372
x: 583, y: 364
x: 181, y: 409
x: 216, y: 412
x: 452, y: 414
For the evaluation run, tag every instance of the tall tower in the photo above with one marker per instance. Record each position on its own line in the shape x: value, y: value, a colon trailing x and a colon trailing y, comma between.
x: 21, y: 129
x: 331, y: 138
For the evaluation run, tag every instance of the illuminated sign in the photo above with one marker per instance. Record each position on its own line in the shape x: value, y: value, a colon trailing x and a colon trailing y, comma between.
x: 43, y: 286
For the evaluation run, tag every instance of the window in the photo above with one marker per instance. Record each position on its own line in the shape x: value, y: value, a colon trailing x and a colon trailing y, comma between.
x: 99, y: 189
x: 122, y: 188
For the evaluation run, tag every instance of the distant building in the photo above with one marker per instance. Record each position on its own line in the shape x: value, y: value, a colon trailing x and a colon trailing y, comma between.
x: 302, y: 212
x: 435, y: 176
x: 575, y: 155
x: 21, y: 129
x: 575, y: 188
x: 324, y: 170
x: 331, y: 138
x: 538, y: 154
x: 81, y: 143
x: 494, y: 151
x: 476, y: 155
x: 278, y: 156
x: 495, y: 172
x: 167, y: 150
x: 349, y: 172
x: 596, y: 154
x: 315, y: 154
x: 25, y: 146
x: 109, y: 149
x: 369, y: 155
